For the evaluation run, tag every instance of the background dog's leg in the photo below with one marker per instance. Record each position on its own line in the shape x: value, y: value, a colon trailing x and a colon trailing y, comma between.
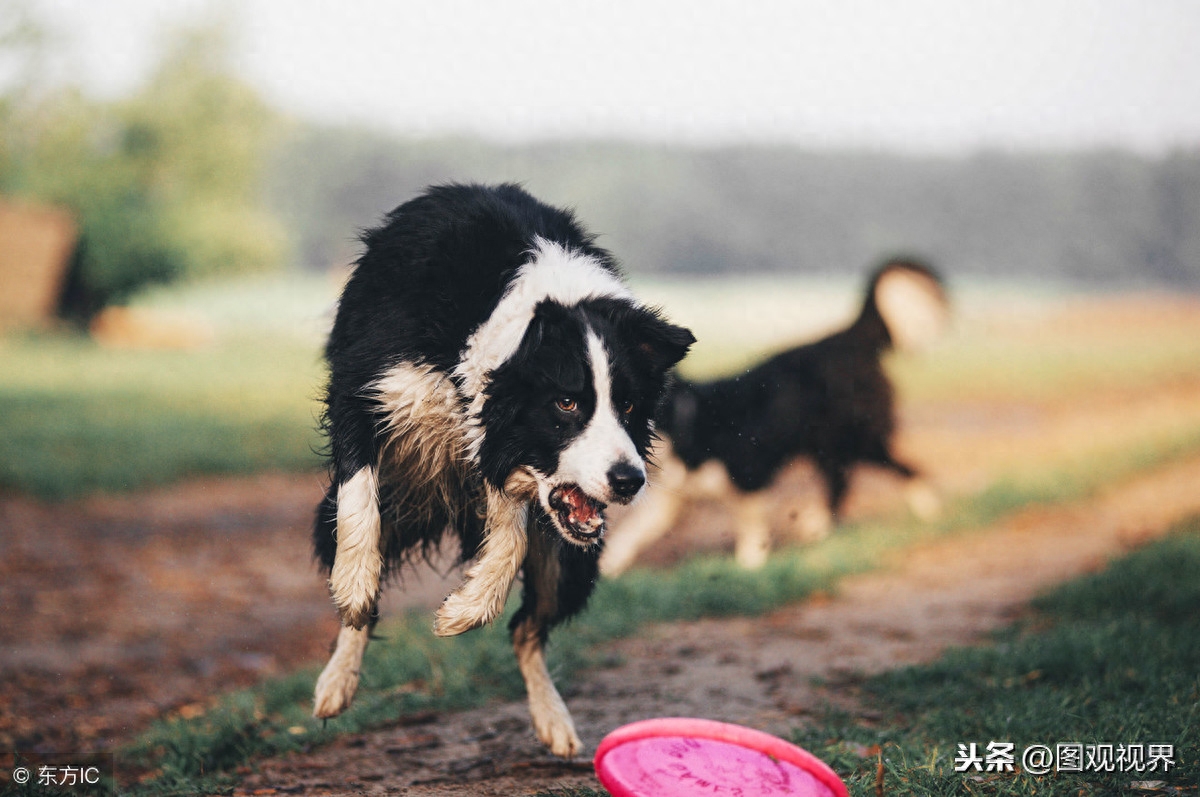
x: 923, y: 499
x: 814, y: 522
x: 752, y: 529
x: 339, y: 680
x: 649, y: 519
x: 481, y: 596
x: 358, y: 563
x: 837, y: 483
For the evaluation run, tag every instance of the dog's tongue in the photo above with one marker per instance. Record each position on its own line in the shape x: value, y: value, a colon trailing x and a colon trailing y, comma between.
x: 583, y: 511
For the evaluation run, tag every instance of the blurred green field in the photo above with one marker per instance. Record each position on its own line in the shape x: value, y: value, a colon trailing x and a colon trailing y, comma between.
x: 76, y: 417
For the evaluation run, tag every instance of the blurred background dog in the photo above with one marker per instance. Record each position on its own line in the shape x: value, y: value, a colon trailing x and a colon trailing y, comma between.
x: 829, y: 400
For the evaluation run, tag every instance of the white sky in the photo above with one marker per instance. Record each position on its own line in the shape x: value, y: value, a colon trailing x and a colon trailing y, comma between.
x: 928, y: 75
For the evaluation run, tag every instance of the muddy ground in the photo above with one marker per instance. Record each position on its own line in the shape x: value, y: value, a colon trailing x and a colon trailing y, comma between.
x: 117, y: 610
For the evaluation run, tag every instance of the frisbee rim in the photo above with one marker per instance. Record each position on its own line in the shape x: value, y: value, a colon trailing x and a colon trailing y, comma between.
x: 715, y: 731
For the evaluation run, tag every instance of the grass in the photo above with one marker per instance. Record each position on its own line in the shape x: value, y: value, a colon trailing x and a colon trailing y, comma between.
x: 1113, y: 658
x: 76, y: 418
x: 413, y: 671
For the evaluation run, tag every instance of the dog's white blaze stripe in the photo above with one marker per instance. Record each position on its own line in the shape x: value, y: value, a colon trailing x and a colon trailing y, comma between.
x: 551, y: 719
x: 354, y: 580
x: 604, y: 441
x: 555, y: 273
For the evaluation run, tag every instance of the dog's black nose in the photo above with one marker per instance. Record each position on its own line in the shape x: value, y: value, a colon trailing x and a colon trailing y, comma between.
x: 625, y: 479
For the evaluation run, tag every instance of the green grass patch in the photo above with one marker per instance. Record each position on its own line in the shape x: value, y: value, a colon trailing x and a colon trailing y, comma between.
x: 1109, y: 659
x: 414, y: 671
x: 76, y: 418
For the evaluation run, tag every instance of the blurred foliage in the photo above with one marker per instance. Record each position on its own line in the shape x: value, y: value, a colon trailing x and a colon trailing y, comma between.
x: 164, y: 184
x: 1099, y: 217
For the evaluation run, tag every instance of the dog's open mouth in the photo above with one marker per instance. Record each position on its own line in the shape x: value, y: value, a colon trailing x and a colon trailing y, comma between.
x: 580, y: 515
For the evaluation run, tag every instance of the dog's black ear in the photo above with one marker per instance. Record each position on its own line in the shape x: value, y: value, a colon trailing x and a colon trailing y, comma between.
x: 547, y: 326
x: 661, y: 344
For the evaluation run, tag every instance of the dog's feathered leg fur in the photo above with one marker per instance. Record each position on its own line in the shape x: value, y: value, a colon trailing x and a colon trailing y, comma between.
x: 354, y: 578
x: 481, y: 597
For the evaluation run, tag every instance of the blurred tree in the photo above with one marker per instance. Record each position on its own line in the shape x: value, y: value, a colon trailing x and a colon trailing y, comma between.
x: 165, y: 184
x: 198, y: 138
x: 22, y: 41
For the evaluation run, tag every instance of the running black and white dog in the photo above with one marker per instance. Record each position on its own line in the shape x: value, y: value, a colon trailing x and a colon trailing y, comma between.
x: 829, y: 400
x: 492, y: 379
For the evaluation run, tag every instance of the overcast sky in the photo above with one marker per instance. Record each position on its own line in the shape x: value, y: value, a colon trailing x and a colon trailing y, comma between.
x: 927, y: 76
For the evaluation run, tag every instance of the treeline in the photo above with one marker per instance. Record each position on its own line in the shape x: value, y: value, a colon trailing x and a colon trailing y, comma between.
x: 1102, y: 217
x: 195, y: 174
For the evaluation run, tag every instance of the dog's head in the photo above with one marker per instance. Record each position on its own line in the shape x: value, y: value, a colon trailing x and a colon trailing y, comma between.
x: 573, y: 407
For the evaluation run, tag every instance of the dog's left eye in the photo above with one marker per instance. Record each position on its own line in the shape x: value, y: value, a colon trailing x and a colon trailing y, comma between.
x: 627, y: 408
x: 567, y: 404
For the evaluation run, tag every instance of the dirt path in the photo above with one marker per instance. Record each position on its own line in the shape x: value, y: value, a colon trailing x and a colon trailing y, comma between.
x: 759, y: 671
x: 120, y: 610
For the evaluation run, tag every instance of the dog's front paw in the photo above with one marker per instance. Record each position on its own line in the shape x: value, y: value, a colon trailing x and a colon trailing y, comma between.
x: 557, y: 731
x: 457, y: 615
x: 335, y: 689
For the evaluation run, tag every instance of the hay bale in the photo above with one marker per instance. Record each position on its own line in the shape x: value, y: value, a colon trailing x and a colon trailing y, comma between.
x: 36, y: 244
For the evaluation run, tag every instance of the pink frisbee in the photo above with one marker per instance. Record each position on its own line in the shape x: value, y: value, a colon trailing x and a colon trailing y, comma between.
x: 678, y: 756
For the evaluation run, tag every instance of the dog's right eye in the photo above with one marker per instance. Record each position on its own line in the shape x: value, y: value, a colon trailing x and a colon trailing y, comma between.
x: 567, y: 404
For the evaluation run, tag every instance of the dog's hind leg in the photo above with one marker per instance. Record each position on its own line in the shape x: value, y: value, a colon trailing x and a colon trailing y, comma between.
x: 339, y: 680
x: 649, y: 518
x: 923, y: 500
x: 481, y: 596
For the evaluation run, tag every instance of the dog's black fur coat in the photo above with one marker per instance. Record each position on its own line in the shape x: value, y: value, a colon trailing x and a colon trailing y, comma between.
x: 430, y: 276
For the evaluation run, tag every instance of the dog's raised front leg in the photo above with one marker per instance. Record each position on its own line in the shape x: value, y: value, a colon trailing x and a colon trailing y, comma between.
x: 358, y: 563
x: 481, y: 596
x: 339, y: 680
